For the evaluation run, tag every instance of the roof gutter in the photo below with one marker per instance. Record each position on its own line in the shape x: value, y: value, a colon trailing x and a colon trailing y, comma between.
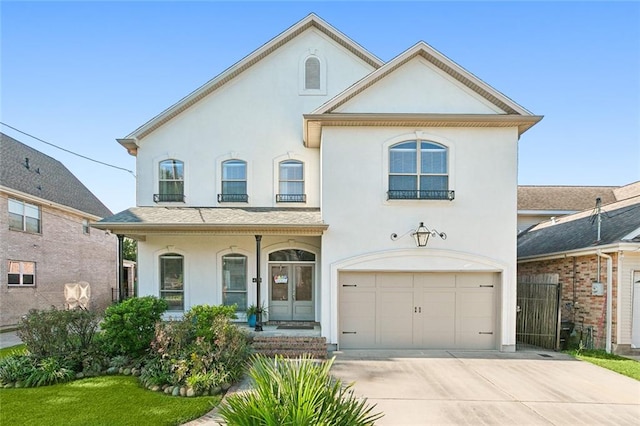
x: 609, y: 296
x: 609, y: 248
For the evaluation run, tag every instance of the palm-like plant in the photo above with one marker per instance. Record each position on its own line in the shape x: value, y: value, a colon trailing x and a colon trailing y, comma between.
x: 296, y: 392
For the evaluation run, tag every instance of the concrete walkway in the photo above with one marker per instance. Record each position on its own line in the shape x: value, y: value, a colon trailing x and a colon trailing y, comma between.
x: 8, y: 339
x: 493, y: 388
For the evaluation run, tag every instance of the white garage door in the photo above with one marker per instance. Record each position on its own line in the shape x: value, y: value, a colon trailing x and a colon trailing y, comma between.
x: 417, y: 310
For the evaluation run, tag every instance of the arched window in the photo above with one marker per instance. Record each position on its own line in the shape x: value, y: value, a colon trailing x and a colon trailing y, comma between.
x: 234, y: 182
x: 171, y: 182
x: 291, y: 182
x: 312, y: 73
x: 419, y: 170
x: 172, y: 280
x: 234, y: 281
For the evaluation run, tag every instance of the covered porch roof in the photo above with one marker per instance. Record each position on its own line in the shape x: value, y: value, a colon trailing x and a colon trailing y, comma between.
x: 138, y: 222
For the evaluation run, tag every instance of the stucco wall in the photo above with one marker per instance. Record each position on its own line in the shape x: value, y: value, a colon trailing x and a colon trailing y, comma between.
x: 256, y: 117
x: 63, y: 254
x: 203, y: 263
x: 480, y: 221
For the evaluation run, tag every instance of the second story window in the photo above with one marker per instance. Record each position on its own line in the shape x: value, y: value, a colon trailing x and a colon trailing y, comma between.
x: 234, y: 182
x: 85, y: 227
x: 419, y: 170
x: 171, y: 182
x: 24, y: 216
x: 291, y: 183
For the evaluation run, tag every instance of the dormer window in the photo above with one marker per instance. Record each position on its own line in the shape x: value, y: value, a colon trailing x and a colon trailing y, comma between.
x: 234, y: 182
x: 170, y: 182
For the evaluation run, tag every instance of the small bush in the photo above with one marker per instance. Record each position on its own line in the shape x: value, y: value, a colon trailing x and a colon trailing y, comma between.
x: 49, y: 371
x: 63, y: 334
x: 15, y: 368
x: 202, y: 359
x: 129, y: 326
x: 203, y: 316
x: 296, y: 392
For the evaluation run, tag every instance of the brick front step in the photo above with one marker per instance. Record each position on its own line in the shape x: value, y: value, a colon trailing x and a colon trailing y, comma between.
x: 290, y: 347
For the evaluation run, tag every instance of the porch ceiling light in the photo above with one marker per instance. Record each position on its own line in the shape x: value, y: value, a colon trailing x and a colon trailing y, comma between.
x: 421, y: 235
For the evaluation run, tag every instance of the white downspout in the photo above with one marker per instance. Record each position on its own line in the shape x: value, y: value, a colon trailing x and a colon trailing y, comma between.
x: 609, y: 297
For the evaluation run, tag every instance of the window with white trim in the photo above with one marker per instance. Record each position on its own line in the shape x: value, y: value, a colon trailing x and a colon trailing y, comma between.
x: 170, y: 182
x: 234, y: 281
x: 172, y: 280
x: 21, y: 273
x: 234, y: 182
x: 85, y: 226
x: 24, y: 216
x: 419, y: 170
x: 291, y: 182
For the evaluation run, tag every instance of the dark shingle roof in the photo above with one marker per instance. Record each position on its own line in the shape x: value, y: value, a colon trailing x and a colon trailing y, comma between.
x: 579, y: 231
x: 45, y: 178
x: 563, y: 198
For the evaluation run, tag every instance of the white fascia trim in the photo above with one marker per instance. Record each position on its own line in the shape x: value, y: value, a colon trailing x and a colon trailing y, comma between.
x: 631, y: 235
x: 545, y: 212
x: 609, y: 248
x: 43, y: 202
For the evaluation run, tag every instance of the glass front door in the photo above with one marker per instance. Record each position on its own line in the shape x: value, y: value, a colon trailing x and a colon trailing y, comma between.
x: 291, y: 292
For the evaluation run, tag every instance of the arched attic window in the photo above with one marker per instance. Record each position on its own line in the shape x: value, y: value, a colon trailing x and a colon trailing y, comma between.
x: 312, y: 73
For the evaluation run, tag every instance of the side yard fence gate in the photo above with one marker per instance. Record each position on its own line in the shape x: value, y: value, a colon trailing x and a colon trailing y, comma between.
x: 538, y: 316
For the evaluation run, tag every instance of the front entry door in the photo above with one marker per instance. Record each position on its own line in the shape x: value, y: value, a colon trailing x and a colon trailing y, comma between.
x: 291, y: 292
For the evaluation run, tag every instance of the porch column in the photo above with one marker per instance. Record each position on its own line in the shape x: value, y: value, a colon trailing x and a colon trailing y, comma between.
x: 122, y: 293
x: 258, y: 280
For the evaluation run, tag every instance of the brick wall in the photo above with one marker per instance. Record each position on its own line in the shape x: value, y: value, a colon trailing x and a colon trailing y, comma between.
x: 579, y: 305
x: 63, y: 254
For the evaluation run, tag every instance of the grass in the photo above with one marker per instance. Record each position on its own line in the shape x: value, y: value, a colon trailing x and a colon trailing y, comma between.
x: 19, y: 349
x: 625, y: 366
x: 106, y: 400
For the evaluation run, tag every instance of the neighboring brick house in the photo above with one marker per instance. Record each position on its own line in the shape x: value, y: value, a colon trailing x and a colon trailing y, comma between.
x: 569, y: 246
x: 47, y: 241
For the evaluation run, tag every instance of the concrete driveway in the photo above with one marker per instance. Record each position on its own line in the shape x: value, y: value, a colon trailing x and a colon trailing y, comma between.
x: 473, y: 388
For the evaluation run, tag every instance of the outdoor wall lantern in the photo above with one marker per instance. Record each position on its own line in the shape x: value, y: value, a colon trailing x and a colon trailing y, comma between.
x: 421, y: 235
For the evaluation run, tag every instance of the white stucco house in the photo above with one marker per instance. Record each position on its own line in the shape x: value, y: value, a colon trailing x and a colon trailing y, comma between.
x: 309, y: 164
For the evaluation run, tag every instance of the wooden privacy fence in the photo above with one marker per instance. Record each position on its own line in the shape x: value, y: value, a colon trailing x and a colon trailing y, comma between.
x: 538, y: 317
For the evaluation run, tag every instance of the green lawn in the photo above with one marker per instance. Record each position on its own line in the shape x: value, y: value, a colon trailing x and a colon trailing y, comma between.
x: 13, y: 349
x: 625, y: 366
x: 106, y: 400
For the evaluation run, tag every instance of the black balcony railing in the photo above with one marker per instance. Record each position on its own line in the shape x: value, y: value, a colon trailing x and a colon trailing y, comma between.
x: 291, y: 198
x: 164, y: 198
x: 233, y: 198
x: 421, y: 195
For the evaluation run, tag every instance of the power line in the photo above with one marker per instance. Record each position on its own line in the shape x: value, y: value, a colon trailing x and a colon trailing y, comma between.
x: 66, y: 150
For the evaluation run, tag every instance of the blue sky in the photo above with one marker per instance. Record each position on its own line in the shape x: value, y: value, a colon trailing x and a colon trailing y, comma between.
x: 81, y: 74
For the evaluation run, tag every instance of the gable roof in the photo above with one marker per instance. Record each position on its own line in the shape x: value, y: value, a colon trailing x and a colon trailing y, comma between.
x: 514, y: 114
x: 422, y: 49
x: 31, y: 172
x: 620, y: 223
x: 563, y: 198
x: 311, y: 21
